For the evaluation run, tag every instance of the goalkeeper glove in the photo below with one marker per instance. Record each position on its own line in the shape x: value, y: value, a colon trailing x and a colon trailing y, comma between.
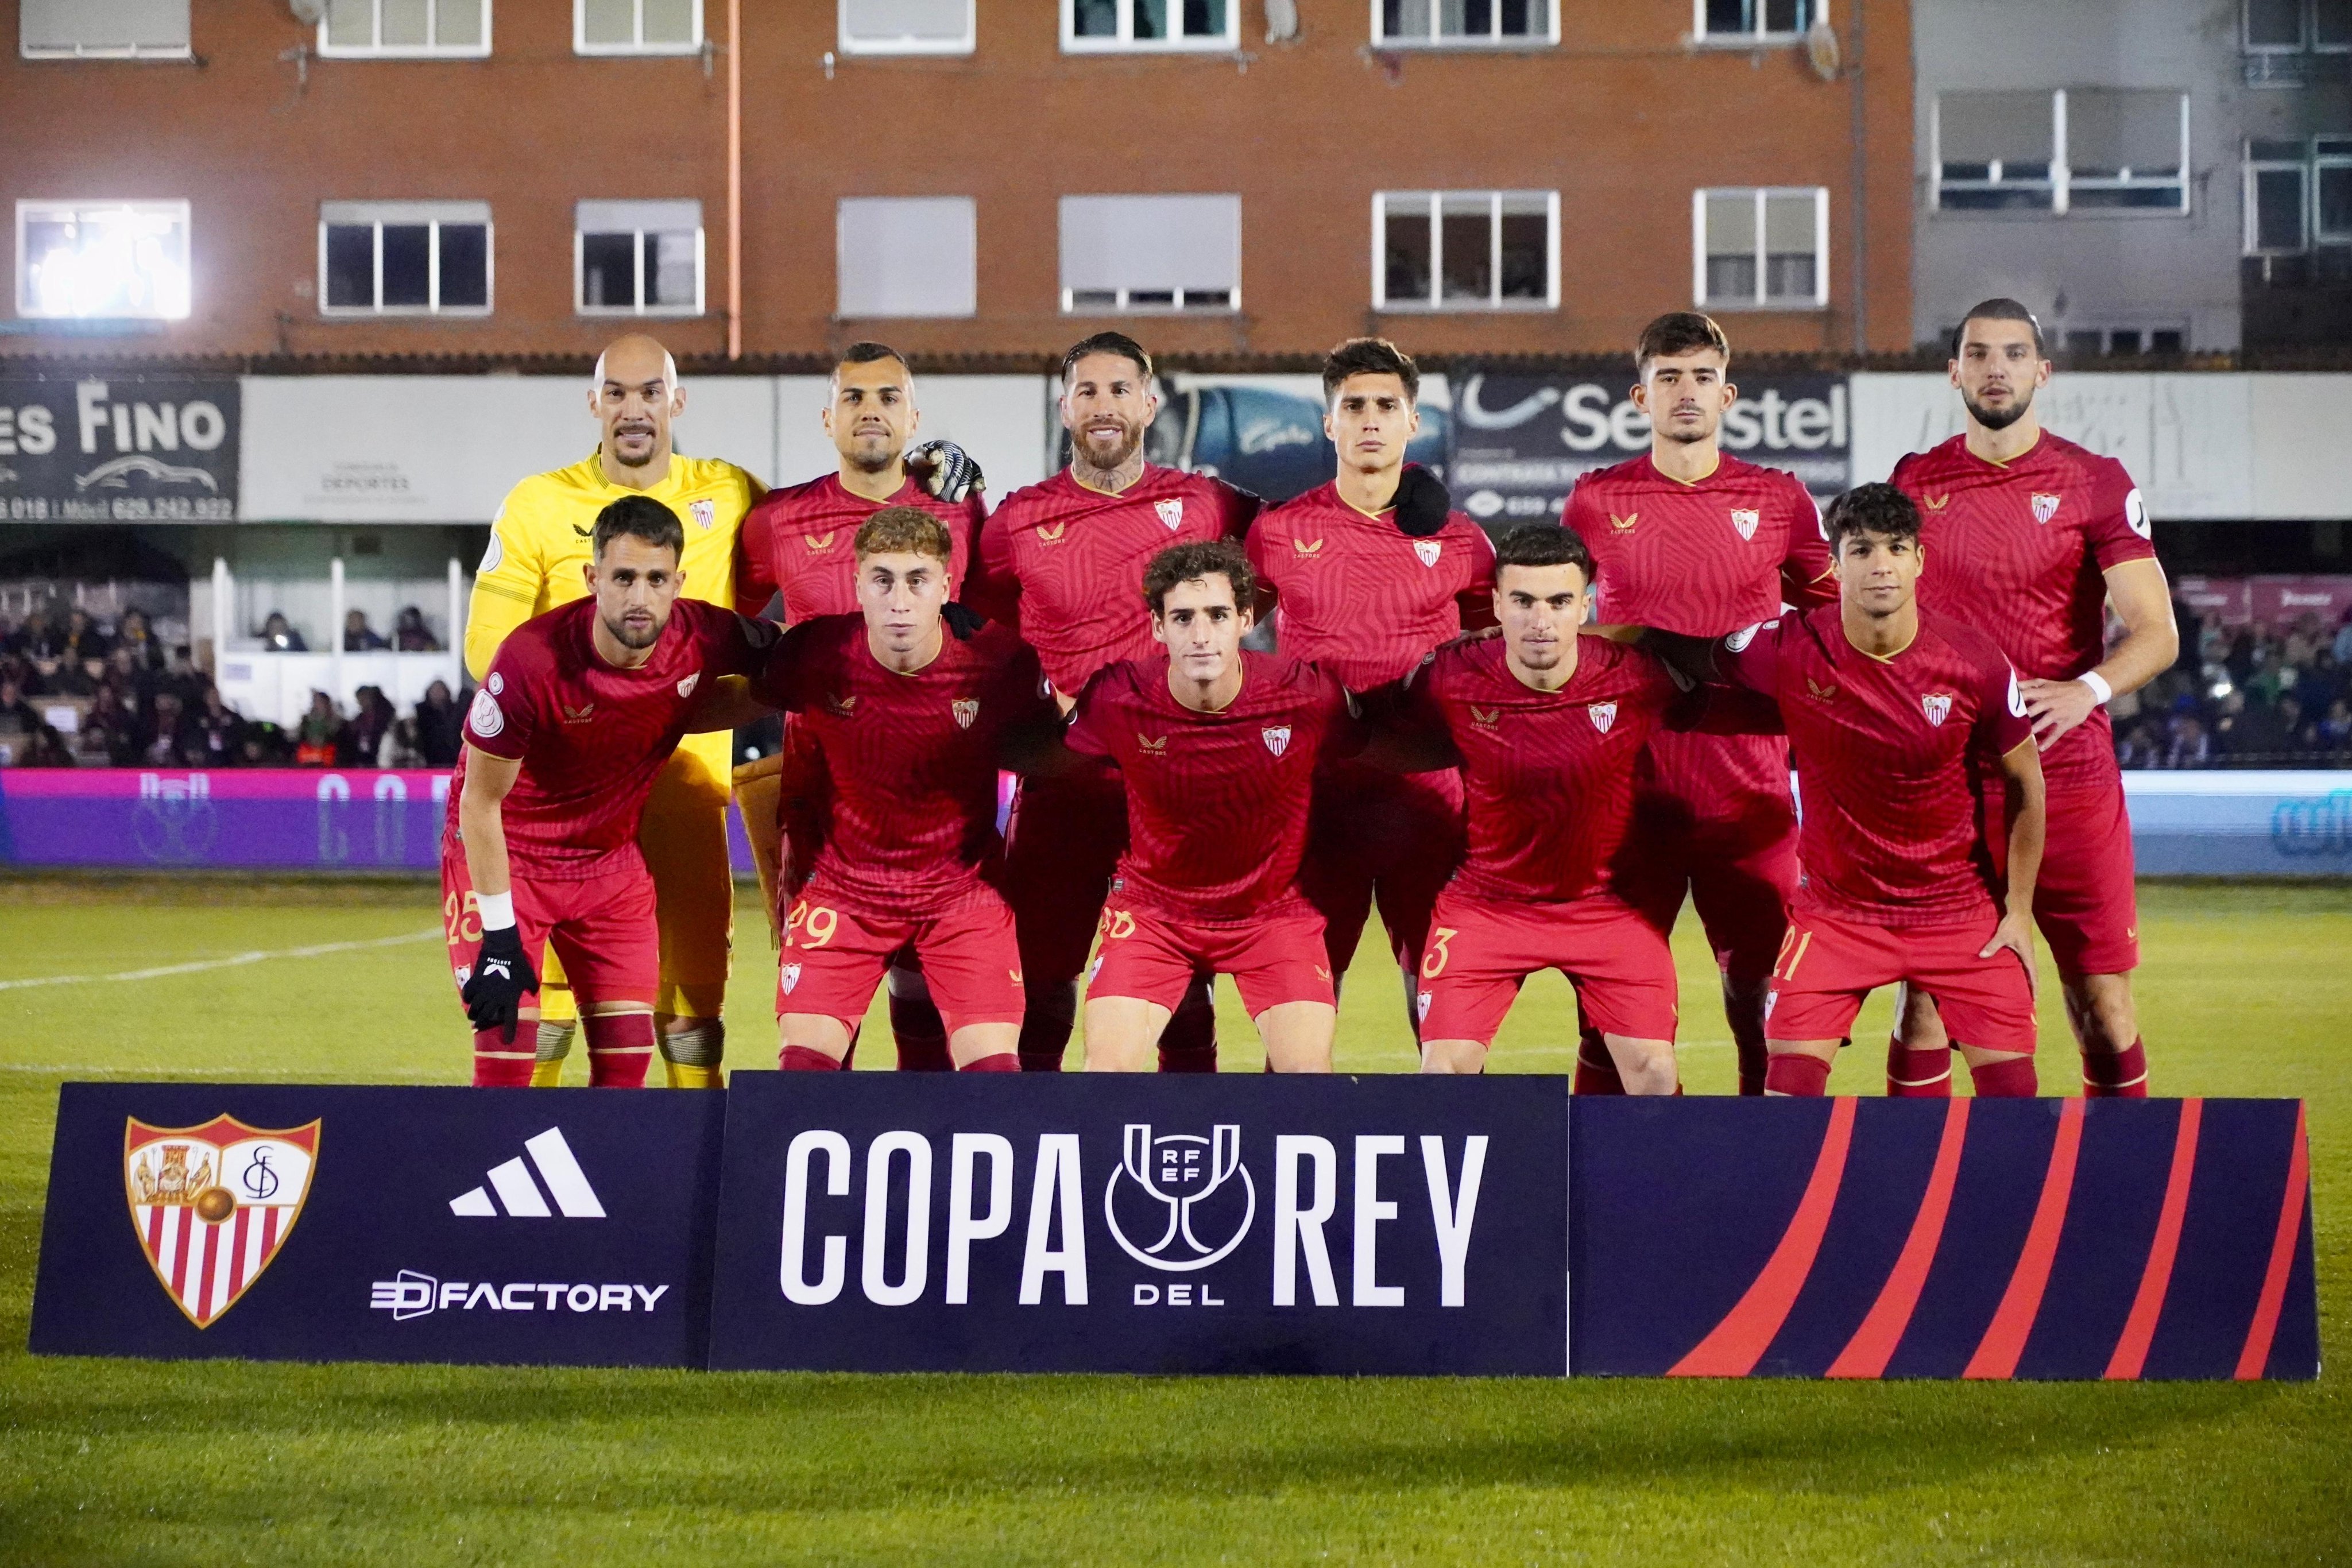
x: 503, y: 976
x: 1421, y: 502
x: 945, y: 470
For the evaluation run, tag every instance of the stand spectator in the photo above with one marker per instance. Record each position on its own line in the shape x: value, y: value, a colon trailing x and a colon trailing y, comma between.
x: 109, y: 736
x: 2141, y: 747
x: 278, y: 635
x: 400, y: 749
x: 411, y: 635
x: 2342, y: 648
x: 138, y: 637
x: 216, y: 734
x: 2190, y: 747
x: 358, y: 637
x: 440, y: 726
x: 161, y: 743
x: 367, y: 738
x: 318, y: 739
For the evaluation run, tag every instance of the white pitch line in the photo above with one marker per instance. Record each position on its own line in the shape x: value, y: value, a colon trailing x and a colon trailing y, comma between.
x: 237, y: 960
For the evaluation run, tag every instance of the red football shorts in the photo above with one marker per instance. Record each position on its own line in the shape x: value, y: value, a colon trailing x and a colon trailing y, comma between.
x: 1718, y: 820
x: 1829, y: 964
x: 1376, y: 835
x: 835, y: 951
x: 2085, y: 901
x: 1481, y: 952
x: 603, y: 927
x: 1065, y: 840
x: 1275, y: 959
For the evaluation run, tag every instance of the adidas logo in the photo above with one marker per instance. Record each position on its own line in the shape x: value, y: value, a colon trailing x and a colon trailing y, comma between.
x: 518, y: 1196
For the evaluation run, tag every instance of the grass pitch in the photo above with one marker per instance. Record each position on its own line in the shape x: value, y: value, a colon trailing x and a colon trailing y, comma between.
x: 2246, y: 991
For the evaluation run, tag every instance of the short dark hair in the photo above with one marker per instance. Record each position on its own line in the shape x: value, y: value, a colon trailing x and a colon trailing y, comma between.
x: 1200, y: 558
x: 1999, y: 310
x: 1543, y: 544
x: 1870, y: 508
x: 1369, y: 357
x: 866, y: 353
x: 1117, y: 343
x: 904, y: 531
x: 1678, y: 332
x: 640, y: 517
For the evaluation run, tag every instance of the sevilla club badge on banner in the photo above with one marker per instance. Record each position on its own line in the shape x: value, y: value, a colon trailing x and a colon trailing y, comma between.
x: 212, y: 1204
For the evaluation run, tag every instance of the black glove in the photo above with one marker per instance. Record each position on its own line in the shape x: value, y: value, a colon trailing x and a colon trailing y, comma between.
x: 963, y: 621
x: 503, y: 976
x: 1421, y: 501
x: 945, y: 470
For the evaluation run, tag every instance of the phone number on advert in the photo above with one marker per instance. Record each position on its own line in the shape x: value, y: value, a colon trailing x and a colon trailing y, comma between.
x: 122, y: 510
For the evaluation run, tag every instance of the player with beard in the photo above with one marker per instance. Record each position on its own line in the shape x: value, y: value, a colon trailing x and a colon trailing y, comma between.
x: 537, y: 560
x: 796, y: 543
x: 1059, y: 561
x: 568, y: 738
x: 1368, y: 574
x: 1694, y: 541
x: 2032, y: 539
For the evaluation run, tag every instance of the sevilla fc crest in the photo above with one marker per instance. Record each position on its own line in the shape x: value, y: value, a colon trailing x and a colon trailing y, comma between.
x: 705, y: 513
x: 1170, y: 512
x: 791, y: 976
x: 1602, y: 716
x: 1277, y: 738
x: 213, y: 1204
x: 1746, y: 521
x: 1428, y: 550
x: 965, y: 709
x: 1939, y: 706
x: 686, y: 686
x: 2045, y: 506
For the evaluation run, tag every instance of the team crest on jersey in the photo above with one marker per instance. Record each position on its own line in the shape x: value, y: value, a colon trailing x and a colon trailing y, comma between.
x: 705, y: 513
x: 685, y: 687
x: 1052, y: 533
x: 822, y: 541
x: 1938, y: 503
x: 1156, y: 746
x: 1304, y: 549
x: 1420, y: 1006
x: 1624, y: 525
x: 1171, y: 512
x: 790, y: 976
x: 1602, y: 716
x: 1939, y: 706
x: 1428, y: 550
x: 1276, y: 737
x: 213, y: 1204
x: 2045, y: 506
x: 965, y: 709
x: 484, y: 719
x: 1745, y: 520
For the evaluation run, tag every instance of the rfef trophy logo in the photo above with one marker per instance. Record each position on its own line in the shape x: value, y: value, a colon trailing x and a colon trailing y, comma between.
x: 212, y: 1204
x: 1176, y: 1192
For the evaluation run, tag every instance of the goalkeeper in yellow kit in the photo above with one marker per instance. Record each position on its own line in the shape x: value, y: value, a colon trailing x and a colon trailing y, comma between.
x: 538, y: 542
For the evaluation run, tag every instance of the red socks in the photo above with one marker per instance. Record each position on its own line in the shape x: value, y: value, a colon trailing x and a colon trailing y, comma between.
x: 801, y: 1058
x: 500, y: 1063
x: 1922, y: 1074
x: 2115, y: 1074
x: 2005, y: 1080
x: 1596, y: 1070
x: 620, y: 1049
x: 1795, y: 1073
x: 1003, y: 1061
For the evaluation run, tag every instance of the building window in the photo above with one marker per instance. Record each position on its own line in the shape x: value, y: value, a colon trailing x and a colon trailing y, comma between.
x: 396, y: 30
x: 1766, y: 249
x: 1089, y: 25
x: 2075, y: 149
x: 637, y: 259
x: 908, y: 255
x: 1446, y: 23
x: 405, y: 258
x: 2125, y: 340
x: 103, y: 260
x: 104, y: 29
x: 2288, y: 42
x: 636, y: 27
x: 1151, y: 252
x: 1465, y: 250
x: 1754, y: 21
x: 908, y: 27
x: 2298, y: 194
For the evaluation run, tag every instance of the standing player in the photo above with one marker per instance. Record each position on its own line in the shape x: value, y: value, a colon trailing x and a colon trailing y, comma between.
x: 539, y: 548
x: 1549, y: 727
x: 1899, y: 718
x: 909, y: 705
x: 567, y: 739
x: 1693, y: 540
x: 796, y: 543
x: 2032, y: 538
x: 1059, y: 561
x: 1368, y: 574
x: 1217, y: 748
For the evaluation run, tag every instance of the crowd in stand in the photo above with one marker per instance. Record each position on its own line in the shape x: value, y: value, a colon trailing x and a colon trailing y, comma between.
x: 2247, y: 696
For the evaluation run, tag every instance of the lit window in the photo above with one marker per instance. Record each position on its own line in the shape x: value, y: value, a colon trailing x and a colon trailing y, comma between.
x: 907, y: 26
x: 636, y: 27
x: 1151, y: 252
x: 103, y: 260
x: 116, y: 29
x: 1751, y: 21
x: 2075, y: 149
x: 639, y: 258
x: 1451, y: 22
x: 1765, y: 249
x: 1465, y: 250
x: 405, y: 258
x: 908, y: 255
x: 392, y: 29
x: 1101, y: 24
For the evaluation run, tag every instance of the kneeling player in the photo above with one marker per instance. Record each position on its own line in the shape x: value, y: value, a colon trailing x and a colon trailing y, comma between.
x: 1549, y: 727
x: 908, y: 703
x: 1895, y: 714
x: 575, y: 721
x: 1218, y: 749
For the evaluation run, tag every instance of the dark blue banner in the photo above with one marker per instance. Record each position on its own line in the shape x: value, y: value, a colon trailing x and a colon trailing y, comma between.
x: 567, y: 1227
x: 1245, y: 1223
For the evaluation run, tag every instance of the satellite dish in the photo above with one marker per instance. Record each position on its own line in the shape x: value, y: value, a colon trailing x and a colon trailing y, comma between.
x: 1821, y: 49
x: 307, y: 11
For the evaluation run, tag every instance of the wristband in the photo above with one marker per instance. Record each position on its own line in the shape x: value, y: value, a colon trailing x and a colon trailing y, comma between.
x: 2105, y: 693
x: 496, y: 909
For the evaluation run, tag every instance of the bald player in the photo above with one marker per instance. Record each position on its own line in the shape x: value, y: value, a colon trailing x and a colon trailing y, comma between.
x: 540, y: 545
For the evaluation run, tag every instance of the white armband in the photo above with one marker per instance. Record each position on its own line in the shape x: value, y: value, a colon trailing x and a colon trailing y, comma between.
x: 2105, y: 693
x: 497, y: 909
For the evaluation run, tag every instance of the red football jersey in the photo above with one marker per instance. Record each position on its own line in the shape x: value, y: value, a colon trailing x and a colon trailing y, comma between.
x: 1891, y: 756
x: 1700, y: 560
x: 1361, y: 599
x: 1216, y: 802
x: 913, y: 757
x: 594, y: 739
x: 1549, y: 776
x: 802, y: 540
x: 2019, y: 551
x: 1063, y: 564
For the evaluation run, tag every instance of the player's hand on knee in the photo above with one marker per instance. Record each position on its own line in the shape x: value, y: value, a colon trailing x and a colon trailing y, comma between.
x: 503, y: 976
x: 945, y: 470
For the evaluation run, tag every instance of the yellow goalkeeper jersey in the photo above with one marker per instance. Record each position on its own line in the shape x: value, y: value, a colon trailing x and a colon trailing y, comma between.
x: 539, y: 543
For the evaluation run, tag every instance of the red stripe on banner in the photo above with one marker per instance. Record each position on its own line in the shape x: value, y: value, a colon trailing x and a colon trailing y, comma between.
x: 2257, y: 1354
x: 181, y: 1220
x: 2131, y: 1347
x: 2013, y: 1320
x: 1873, y: 1345
x: 236, y: 1253
x: 202, y: 1305
x: 1740, y: 1339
